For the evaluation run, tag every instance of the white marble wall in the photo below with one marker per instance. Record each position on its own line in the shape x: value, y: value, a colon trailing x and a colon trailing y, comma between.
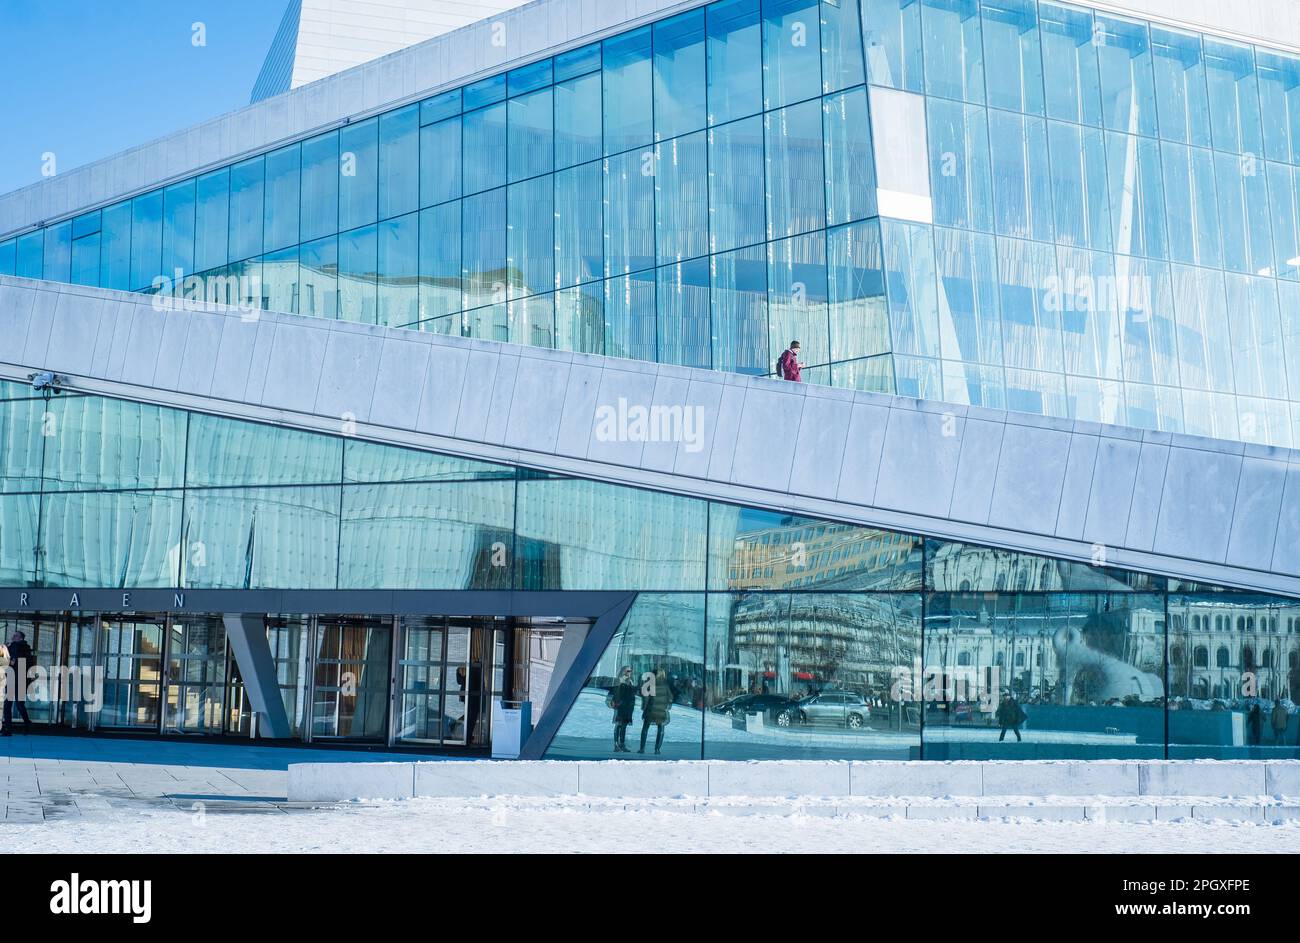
x: 1192, y: 507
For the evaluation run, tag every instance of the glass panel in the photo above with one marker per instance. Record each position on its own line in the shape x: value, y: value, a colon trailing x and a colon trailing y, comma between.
x: 966, y: 265
x: 1031, y: 324
x: 358, y: 174
x: 1128, y: 94
x: 440, y: 106
x: 577, y: 121
x: 796, y: 186
x: 1078, y: 158
x: 440, y: 162
x: 580, y: 319
x: 577, y: 62
x: 1181, y: 95
x: 246, y: 210
x: 1279, y: 94
x: 485, y: 148
x: 321, y: 169
x: 841, y: 36
x: 891, y: 35
x: 369, y: 462
x: 1234, y: 97
x: 739, y: 314
x: 679, y: 86
x: 954, y: 54
x: 850, y: 172
x: 1243, y: 213
x: 629, y: 212
x: 483, y: 262
x: 1137, y: 195
x: 399, y: 296
x: 146, y: 239
x: 530, y: 252
x: 791, y: 51
x: 25, y: 424
x: 1190, y: 197
x: 212, y: 221
x: 8, y: 257
x: 120, y: 538
x: 796, y: 299
x: 579, y: 211
x: 752, y: 549
x: 261, y: 538
x: 1233, y: 668
x: 529, y: 77
x: 318, y: 278
x: 1022, y: 195
x: 485, y: 92
x: 280, y: 280
x: 1010, y: 30
x: 681, y: 198
x: 96, y: 443
x: 1082, y: 674
x: 358, y: 275
x: 283, y: 175
x: 910, y: 276
x: 683, y: 301
x: 811, y: 676
x: 440, y: 288
x: 58, y: 252
x: 960, y: 180
x: 650, y: 679
x: 178, y: 230
x: 563, y: 541
x: 531, y: 145
x: 115, y: 246
x: 630, y: 316
x: 85, y: 261
x: 31, y: 251
x: 859, y: 320
x: 1070, y: 64
x: 227, y: 452
x: 736, y: 192
x: 735, y: 84
x: 627, y: 99
x: 427, y: 536
x: 20, y: 515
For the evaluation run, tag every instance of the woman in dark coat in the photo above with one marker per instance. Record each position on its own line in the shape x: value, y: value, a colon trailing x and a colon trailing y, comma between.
x: 1010, y: 716
x: 622, y: 700
x: 655, y: 708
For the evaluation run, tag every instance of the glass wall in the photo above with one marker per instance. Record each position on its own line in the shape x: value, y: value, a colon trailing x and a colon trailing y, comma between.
x: 1115, y: 231
x: 754, y: 633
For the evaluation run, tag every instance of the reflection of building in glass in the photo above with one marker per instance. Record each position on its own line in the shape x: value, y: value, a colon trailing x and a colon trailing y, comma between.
x: 1223, y: 647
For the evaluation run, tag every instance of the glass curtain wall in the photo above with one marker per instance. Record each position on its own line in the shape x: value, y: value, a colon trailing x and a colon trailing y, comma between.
x: 755, y: 633
x: 1114, y: 233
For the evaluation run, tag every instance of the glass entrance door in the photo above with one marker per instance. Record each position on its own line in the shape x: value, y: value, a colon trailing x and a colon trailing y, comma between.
x: 196, y: 675
x: 131, y: 653
x: 350, y: 694
x: 441, y: 674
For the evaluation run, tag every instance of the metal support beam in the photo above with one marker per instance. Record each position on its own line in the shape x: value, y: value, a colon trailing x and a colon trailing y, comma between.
x: 247, y: 636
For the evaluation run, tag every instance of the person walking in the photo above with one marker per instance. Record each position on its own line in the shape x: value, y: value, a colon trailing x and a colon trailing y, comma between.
x: 1254, y: 723
x: 1280, y: 721
x: 655, y: 708
x: 22, y: 660
x: 622, y: 700
x: 787, y: 365
x: 1010, y: 716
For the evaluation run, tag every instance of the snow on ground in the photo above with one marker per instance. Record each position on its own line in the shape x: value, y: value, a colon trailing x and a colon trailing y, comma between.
x: 568, y: 826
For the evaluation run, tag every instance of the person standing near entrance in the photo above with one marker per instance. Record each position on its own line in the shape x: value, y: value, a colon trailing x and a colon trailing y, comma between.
x: 22, y: 661
x: 655, y: 708
x: 787, y: 365
x: 622, y: 699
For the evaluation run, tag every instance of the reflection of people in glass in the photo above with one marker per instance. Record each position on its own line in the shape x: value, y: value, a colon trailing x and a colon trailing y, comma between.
x: 1254, y: 721
x: 656, y: 702
x: 622, y: 700
x: 1010, y: 716
x: 470, y: 698
x: 1280, y: 720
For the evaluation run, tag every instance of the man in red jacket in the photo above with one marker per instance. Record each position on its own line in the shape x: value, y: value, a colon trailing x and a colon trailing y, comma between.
x: 787, y: 366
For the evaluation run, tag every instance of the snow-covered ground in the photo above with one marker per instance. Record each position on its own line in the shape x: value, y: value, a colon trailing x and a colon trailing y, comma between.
x: 573, y: 825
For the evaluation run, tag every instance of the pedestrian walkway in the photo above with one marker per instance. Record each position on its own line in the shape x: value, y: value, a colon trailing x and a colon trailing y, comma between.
x: 58, y: 777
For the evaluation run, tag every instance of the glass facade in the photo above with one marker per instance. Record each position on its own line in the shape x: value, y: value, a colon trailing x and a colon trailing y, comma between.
x: 753, y: 633
x: 1114, y: 234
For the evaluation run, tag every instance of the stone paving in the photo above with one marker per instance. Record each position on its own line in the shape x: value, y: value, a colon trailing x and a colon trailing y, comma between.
x: 47, y: 778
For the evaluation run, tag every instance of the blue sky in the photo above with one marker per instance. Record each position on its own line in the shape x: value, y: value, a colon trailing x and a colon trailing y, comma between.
x: 87, y: 78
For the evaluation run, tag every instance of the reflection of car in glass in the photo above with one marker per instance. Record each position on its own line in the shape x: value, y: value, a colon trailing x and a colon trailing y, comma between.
x: 752, y: 704
x: 837, y: 708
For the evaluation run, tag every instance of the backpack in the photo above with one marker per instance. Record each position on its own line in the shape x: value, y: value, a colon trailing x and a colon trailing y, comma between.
x: 780, y: 364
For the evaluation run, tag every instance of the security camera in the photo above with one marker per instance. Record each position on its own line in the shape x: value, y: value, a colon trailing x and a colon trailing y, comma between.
x: 45, y: 382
